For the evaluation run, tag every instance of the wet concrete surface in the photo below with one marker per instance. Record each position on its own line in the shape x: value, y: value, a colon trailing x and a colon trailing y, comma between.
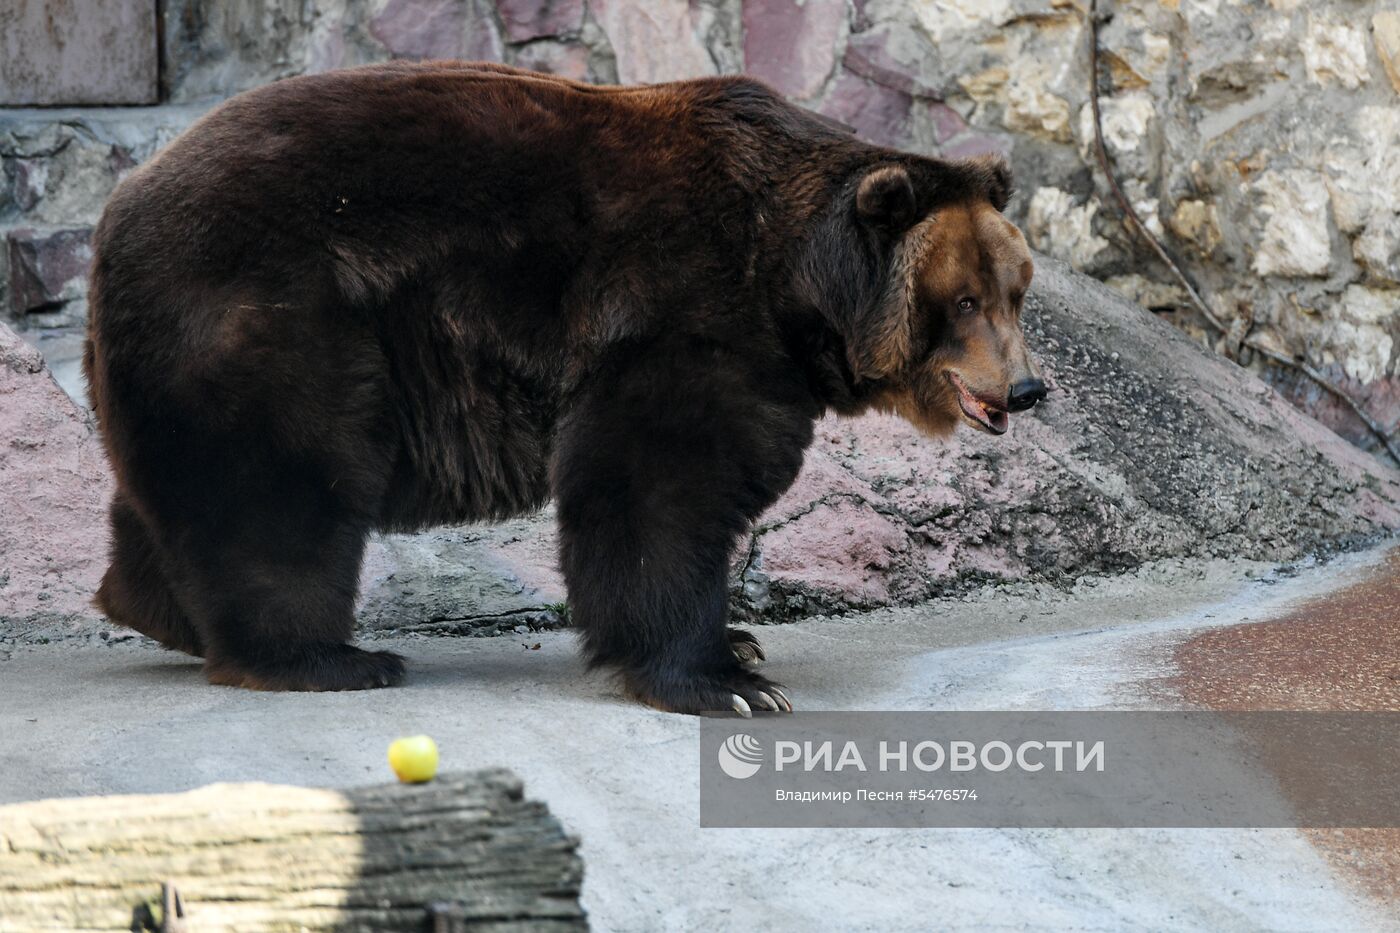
x: 1338, y: 651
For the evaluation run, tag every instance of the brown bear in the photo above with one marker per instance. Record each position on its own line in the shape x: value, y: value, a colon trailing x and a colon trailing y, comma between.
x: 415, y: 294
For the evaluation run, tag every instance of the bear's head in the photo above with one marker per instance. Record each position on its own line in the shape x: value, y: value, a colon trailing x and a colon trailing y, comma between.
x: 936, y: 334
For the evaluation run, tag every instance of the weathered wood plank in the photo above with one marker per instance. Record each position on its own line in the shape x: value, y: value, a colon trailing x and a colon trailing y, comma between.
x: 258, y: 857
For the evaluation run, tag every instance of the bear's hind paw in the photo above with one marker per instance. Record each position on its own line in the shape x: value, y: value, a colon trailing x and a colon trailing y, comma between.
x: 314, y: 668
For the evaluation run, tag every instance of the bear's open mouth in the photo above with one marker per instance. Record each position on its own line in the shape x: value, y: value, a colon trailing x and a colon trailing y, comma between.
x: 986, y: 415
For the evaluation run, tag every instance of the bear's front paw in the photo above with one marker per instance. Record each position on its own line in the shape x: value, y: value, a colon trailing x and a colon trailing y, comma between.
x: 740, y: 691
x: 745, y: 647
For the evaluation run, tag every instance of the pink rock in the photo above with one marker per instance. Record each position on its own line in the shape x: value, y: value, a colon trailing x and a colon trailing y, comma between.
x: 821, y: 476
x: 873, y: 56
x: 841, y: 548
x: 947, y: 122
x: 48, y: 268
x: 791, y: 45
x: 536, y: 19
x: 327, y: 52
x: 53, y: 496
x: 654, y: 41
x: 972, y: 143
x: 1380, y: 398
x: 422, y: 28
x: 566, y: 59
x: 484, y: 42
x: 878, y: 114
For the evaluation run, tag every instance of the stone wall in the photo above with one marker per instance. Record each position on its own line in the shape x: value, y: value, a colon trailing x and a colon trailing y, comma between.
x: 1259, y: 138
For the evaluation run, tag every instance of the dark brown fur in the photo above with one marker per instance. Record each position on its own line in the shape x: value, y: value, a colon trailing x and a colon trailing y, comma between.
x: 409, y: 295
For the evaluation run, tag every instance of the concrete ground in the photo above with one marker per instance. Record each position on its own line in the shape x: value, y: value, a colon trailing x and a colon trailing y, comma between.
x: 88, y: 716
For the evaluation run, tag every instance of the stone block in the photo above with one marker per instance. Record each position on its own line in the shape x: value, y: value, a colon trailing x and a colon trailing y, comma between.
x: 422, y: 28
x: 792, y: 45
x: 216, y: 48
x: 1335, y: 53
x: 47, y: 269
x: 879, y: 114
x: 525, y: 20
x: 656, y: 41
x: 430, y: 29
x: 566, y: 59
x: 1294, y: 239
x: 74, y: 52
x: 891, y: 54
x: 1055, y: 220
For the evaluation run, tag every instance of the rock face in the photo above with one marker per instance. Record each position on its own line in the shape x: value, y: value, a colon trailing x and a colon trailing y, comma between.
x: 1148, y: 447
x: 54, y: 488
x: 48, y: 270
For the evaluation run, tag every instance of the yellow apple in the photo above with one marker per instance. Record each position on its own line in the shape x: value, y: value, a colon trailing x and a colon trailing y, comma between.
x: 414, y: 758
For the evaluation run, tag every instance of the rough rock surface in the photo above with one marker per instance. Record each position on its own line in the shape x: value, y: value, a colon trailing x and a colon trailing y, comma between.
x: 48, y: 270
x: 53, y: 493
x: 1149, y: 447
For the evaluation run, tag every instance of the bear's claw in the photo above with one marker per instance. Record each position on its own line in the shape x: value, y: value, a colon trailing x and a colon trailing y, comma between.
x: 745, y: 647
x: 741, y: 691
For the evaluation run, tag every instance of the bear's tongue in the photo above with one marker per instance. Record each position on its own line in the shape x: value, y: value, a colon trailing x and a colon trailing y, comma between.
x: 992, y: 419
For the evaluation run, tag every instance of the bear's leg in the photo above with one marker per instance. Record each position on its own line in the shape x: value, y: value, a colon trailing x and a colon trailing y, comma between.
x: 656, y: 476
x: 135, y: 591
x: 270, y: 562
x: 281, y: 611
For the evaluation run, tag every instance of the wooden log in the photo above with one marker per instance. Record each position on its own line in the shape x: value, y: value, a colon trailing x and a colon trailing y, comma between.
x: 262, y: 857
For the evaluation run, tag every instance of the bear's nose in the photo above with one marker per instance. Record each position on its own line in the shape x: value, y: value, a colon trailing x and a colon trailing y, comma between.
x: 1025, y: 394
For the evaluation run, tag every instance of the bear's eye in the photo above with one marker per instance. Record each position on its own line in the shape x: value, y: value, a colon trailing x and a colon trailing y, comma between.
x: 967, y: 305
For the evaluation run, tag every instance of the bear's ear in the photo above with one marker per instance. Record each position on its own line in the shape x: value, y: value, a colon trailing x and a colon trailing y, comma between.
x: 885, y: 198
x: 996, y: 179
